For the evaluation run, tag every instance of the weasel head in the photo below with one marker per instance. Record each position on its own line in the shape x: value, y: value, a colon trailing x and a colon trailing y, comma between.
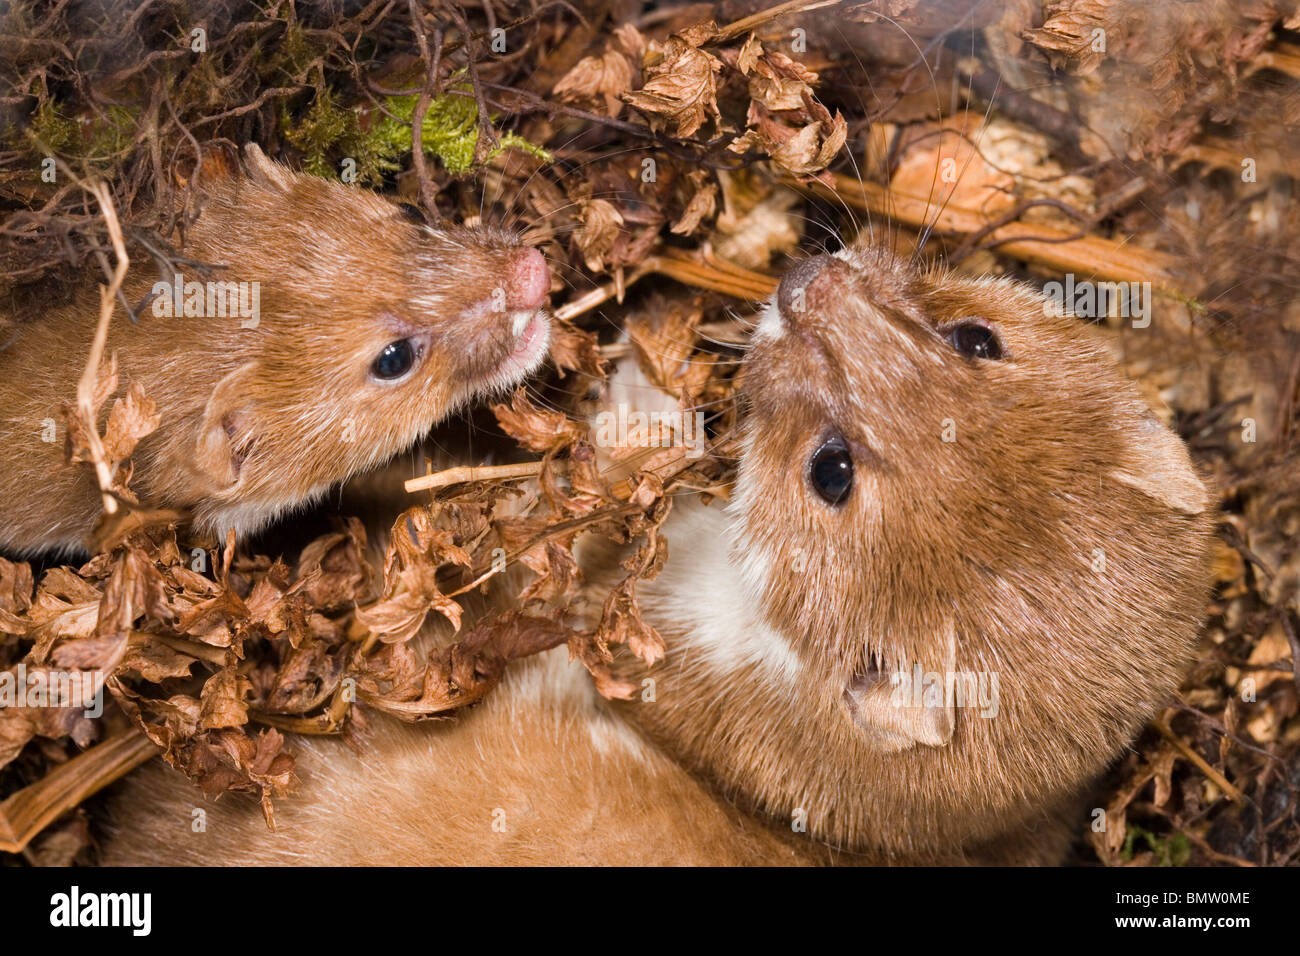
x: 986, y: 556
x: 372, y: 325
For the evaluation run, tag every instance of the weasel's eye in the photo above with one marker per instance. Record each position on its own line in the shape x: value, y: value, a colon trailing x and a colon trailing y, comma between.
x: 413, y: 213
x: 831, y: 471
x: 975, y: 341
x: 394, y: 362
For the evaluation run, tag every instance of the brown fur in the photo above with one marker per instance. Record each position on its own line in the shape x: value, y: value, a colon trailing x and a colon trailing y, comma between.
x: 537, y: 775
x: 785, y: 616
x: 975, y: 555
x: 258, y: 420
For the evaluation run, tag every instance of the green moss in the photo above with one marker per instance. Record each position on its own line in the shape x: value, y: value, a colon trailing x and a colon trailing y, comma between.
x: 112, y: 135
x: 104, y: 138
x: 52, y: 128
x: 295, y: 51
x: 1172, y: 850
x: 449, y: 132
x: 328, y: 133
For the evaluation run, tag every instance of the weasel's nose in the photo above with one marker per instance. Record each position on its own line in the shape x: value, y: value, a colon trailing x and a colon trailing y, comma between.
x: 528, y: 280
x: 794, y: 294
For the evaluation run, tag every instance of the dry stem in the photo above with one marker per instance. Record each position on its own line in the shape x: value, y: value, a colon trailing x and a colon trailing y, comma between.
x: 90, y: 376
x: 29, y: 811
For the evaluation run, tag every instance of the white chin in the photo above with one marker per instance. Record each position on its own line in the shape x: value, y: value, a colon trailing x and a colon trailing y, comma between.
x: 533, y: 335
x: 769, y: 322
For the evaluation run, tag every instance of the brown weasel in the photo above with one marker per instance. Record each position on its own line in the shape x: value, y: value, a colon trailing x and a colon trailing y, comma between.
x: 343, y: 329
x: 962, y: 566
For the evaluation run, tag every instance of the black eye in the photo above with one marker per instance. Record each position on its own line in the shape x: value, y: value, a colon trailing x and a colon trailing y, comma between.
x: 413, y: 213
x: 394, y: 361
x: 975, y: 341
x: 831, y: 471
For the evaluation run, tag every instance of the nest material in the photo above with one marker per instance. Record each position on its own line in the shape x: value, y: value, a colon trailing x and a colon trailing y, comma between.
x: 661, y: 151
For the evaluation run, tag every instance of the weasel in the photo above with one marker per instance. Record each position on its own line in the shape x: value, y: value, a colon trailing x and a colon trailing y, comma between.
x: 941, y: 479
x: 344, y: 327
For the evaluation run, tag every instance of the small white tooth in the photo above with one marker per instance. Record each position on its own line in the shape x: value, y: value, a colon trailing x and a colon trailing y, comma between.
x: 521, y: 322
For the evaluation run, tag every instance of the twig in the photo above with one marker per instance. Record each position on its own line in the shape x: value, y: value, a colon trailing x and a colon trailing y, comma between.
x: 589, y: 300
x: 1218, y: 779
x: 431, y: 65
x: 462, y: 473
x: 488, y: 140
x: 90, y: 376
x: 1108, y: 259
x: 714, y: 274
x: 1294, y: 640
x: 29, y: 811
x: 1285, y: 59
x: 745, y: 24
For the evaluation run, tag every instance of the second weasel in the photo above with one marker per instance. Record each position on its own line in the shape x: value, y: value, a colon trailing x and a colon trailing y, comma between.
x: 371, y: 327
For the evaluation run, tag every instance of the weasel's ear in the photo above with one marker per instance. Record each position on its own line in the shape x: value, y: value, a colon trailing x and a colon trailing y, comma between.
x: 1156, y: 463
x: 896, y: 712
x: 218, y: 160
x: 226, y: 435
x: 264, y: 171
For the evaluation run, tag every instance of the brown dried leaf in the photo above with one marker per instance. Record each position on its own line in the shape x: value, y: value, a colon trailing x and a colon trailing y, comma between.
x: 803, y: 152
x: 780, y: 83
x: 154, y: 660
x: 222, y: 700
x: 306, y: 677
x: 15, y: 586
x: 556, y: 569
x: 131, y: 418
x: 573, y: 349
x: 135, y: 589
x: 417, y: 550
x: 77, y: 440
x: 15, y: 730
x: 598, y: 78
x: 537, y: 429
x: 750, y: 51
x: 600, y: 230
x: 332, y: 571
x: 399, y: 616
x: 702, y: 205
x: 665, y: 341
x: 53, y: 616
x: 464, y: 672
x: 1068, y: 30
x: 681, y: 90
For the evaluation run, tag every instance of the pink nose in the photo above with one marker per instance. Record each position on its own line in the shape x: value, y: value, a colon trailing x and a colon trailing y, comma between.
x: 528, y: 280
x: 796, y: 287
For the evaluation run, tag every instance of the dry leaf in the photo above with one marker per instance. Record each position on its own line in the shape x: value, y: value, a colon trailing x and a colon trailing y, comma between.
x: 130, y: 419
x: 681, y: 91
x: 600, y: 222
x: 703, y: 203
x: 537, y: 429
x: 594, y: 78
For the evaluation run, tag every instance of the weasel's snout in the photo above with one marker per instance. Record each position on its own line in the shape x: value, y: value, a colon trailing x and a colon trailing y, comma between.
x: 506, y: 337
x: 812, y: 279
x: 528, y: 280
